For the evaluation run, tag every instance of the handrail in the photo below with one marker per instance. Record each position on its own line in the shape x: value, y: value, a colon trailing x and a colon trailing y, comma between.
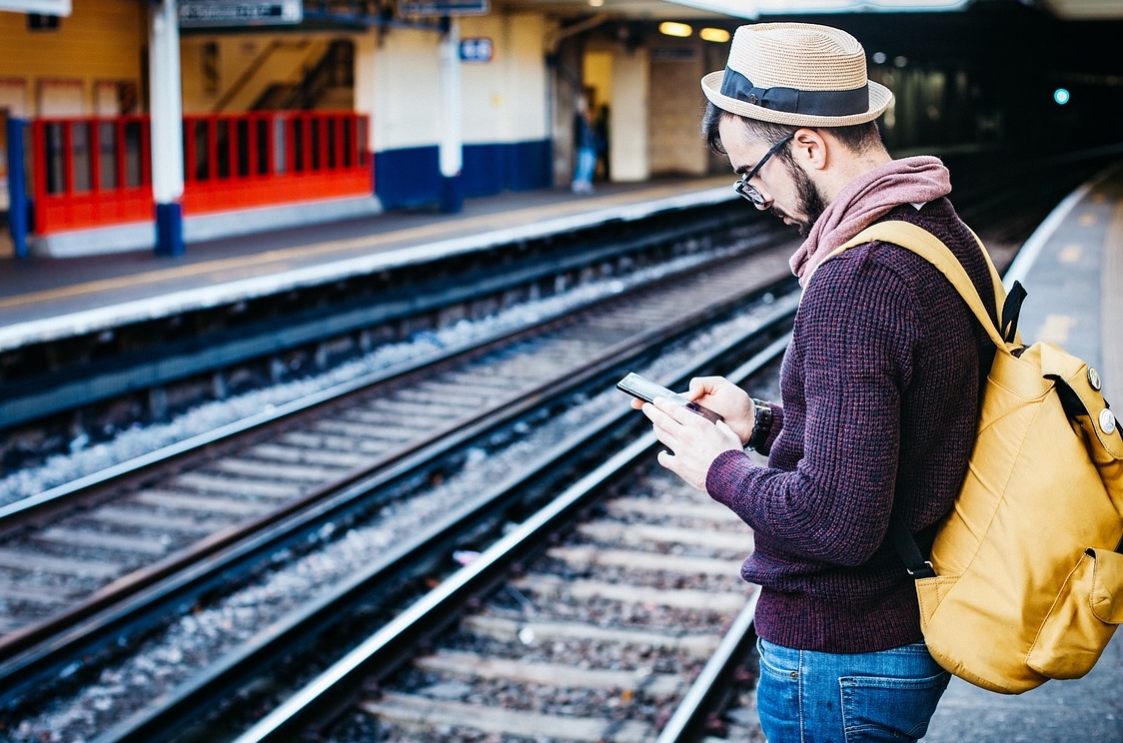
x: 246, y: 76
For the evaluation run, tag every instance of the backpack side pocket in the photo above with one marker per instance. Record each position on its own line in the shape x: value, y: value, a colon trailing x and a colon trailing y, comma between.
x: 1083, y: 618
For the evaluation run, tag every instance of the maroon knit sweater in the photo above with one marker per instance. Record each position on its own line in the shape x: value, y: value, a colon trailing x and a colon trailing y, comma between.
x: 880, y: 392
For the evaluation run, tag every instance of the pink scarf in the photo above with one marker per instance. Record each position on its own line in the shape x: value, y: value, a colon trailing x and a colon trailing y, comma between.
x: 912, y: 180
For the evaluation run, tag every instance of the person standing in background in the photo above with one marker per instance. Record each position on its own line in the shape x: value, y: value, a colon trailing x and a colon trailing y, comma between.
x: 585, y: 136
x: 601, y: 126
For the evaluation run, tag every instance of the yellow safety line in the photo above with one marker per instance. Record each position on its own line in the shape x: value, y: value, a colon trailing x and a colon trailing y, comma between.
x: 503, y: 219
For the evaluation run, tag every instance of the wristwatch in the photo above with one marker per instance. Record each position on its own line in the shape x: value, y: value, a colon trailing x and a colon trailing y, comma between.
x: 762, y: 425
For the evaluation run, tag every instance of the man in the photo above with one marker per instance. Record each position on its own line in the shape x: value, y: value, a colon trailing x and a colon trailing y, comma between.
x: 880, y: 389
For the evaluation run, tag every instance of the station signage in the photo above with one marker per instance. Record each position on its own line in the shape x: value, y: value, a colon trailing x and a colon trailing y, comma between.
x: 444, y: 7
x: 209, y: 13
x: 478, y: 49
x: 42, y: 7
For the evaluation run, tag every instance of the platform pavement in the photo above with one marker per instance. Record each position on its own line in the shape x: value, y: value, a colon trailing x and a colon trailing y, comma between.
x: 1072, y: 268
x: 46, y: 298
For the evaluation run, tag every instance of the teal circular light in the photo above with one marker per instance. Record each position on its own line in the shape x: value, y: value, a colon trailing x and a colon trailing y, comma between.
x: 1061, y: 96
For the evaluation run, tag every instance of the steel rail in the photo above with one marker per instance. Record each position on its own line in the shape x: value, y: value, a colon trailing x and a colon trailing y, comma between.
x: 388, y: 643
x: 13, y: 514
x: 58, y: 392
x: 382, y: 651
x: 239, y: 665
x: 178, y: 584
x: 18, y: 648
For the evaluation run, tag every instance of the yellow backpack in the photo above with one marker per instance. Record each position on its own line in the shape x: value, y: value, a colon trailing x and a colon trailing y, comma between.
x: 1025, y: 580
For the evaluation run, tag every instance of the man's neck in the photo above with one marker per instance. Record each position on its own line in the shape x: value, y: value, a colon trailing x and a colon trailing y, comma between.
x: 848, y: 168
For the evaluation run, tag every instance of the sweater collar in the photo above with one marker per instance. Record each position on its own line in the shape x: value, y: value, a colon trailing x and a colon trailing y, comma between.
x: 912, y: 180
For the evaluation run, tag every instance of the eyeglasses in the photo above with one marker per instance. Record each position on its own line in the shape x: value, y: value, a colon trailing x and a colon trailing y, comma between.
x: 750, y: 192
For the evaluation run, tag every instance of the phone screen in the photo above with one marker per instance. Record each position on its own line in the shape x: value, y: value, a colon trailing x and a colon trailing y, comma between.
x: 647, y: 391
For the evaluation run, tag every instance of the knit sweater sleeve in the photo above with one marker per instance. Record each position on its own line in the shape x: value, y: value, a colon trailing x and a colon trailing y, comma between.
x: 852, y: 352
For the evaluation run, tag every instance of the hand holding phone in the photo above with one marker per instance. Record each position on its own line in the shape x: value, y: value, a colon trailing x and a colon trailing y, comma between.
x: 647, y: 391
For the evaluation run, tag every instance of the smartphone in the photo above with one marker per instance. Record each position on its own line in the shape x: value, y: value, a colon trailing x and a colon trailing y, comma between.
x: 647, y: 391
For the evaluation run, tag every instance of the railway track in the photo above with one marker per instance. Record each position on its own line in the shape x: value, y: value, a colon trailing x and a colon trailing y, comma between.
x: 227, y: 493
x: 272, y: 467
x: 616, y: 612
x: 64, y: 548
x: 87, y: 389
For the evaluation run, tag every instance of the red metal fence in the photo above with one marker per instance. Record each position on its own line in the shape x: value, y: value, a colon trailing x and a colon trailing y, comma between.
x: 89, y: 172
x: 92, y: 172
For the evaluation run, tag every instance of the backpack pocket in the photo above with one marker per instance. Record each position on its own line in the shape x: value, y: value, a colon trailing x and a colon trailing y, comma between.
x: 1083, y: 618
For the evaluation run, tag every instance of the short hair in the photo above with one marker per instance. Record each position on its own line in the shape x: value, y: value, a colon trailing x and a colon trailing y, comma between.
x: 857, y: 137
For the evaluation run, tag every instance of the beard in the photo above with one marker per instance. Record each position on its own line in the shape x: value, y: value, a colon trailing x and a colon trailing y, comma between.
x: 809, y: 200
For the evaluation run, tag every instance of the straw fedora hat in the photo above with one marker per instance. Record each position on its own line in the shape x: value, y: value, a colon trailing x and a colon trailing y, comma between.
x: 799, y: 74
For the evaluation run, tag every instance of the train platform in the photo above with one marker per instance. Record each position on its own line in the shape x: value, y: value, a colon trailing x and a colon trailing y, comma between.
x: 1072, y: 269
x: 43, y: 298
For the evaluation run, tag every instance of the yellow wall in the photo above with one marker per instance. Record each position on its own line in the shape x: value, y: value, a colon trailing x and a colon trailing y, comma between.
x: 101, y: 41
x: 243, y: 67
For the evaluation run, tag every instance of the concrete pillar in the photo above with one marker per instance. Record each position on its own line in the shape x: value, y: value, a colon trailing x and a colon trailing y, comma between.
x: 165, y: 95
x: 628, y: 136
x: 17, y: 187
x: 365, y: 87
x: 452, y: 138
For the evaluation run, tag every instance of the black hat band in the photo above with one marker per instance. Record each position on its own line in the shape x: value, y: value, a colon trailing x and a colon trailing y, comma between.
x: 794, y: 101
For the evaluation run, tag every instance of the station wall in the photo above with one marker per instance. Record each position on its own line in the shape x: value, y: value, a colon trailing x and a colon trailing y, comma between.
x: 90, y: 64
x: 675, y: 107
x: 227, y: 74
x: 655, y: 103
x: 503, y: 106
x: 97, y: 56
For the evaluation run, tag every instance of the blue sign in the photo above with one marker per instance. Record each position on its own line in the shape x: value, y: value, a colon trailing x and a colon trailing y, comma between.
x: 476, y: 50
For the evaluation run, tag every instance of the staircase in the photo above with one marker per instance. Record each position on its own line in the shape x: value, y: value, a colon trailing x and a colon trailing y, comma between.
x: 327, y: 85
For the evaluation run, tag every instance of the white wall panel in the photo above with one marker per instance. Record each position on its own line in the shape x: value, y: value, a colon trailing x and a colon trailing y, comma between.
x: 366, y: 99
x: 628, y: 132
x: 527, y: 76
x: 407, y: 89
x: 485, y: 98
x: 505, y: 99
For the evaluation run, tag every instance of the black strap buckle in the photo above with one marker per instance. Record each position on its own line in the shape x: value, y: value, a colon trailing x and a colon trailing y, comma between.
x: 925, y: 572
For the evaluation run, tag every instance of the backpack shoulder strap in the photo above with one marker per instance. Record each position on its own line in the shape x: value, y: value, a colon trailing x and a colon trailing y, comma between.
x: 932, y: 249
x: 928, y: 246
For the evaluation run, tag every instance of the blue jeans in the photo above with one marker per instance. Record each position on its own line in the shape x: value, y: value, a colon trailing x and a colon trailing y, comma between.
x: 805, y: 696
x: 586, y: 165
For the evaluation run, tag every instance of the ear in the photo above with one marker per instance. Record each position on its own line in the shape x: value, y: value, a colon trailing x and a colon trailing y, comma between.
x: 811, y: 149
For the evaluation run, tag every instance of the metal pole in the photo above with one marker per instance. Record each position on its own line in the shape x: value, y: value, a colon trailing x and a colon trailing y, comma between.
x: 17, y: 188
x: 167, y: 126
x: 452, y: 143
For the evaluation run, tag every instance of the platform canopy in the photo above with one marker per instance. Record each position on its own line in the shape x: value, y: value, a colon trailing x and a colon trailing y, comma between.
x: 753, y: 9
x: 762, y: 10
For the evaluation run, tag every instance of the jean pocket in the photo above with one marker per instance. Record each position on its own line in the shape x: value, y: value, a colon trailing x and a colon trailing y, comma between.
x: 778, y: 688
x: 877, y: 708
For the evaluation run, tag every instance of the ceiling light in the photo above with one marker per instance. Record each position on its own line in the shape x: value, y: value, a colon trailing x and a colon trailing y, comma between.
x: 670, y: 28
x: 717, y: 35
